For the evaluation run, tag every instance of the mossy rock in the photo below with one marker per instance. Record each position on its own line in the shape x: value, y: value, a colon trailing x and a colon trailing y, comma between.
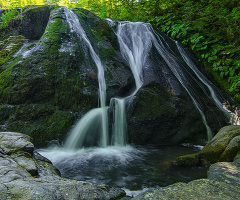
x: 40, y: 121
x: 50, y: 80
x: 216, y: 147
x: 188, y: 160
x: 9, y: 46
x: 224, y: 147
x: 232, y: 150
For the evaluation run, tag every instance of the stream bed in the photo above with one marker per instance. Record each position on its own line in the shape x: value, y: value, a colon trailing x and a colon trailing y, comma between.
x: 135, y: 169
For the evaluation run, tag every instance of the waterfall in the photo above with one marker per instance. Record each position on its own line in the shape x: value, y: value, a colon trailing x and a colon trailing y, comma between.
x: 76, y: 27
x: 135, y: 44
x: 120, y: 122
x: 135, y: 40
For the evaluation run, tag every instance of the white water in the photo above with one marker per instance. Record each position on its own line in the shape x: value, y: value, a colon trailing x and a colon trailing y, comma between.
x: 120, y: 123
x: 76, y: 27
x: 135, y: 45
x: 90, y: 123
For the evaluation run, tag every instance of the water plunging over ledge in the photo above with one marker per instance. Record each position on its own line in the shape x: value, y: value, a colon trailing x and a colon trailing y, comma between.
x: 93, y: 153
x: 135, y: 41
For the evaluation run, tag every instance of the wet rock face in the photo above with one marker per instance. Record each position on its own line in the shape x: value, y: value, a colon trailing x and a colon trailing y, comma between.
x: 48, y: 84
x: 25, y: 174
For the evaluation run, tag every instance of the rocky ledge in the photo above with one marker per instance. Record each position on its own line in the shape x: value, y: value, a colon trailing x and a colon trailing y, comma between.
x: 25, y: 174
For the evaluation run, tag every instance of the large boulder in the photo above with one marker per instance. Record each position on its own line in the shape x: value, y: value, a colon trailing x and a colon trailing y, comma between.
x: 25, y: 174
x: 49, y: 80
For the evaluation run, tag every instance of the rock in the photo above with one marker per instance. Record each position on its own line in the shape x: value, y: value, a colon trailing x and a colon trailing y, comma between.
x: 198, y: 189
x: 54, y: 82
x: 9, y: 46
x: 215, y: 148
x: 188, y: 160
x: 26, y: 161
x: 12, y: 142
x: 40, y: 121
x: 226, y: 172
x: 34, y: 22
x: 225, y: 146
x: 17, y: 180
x: 231, y: 150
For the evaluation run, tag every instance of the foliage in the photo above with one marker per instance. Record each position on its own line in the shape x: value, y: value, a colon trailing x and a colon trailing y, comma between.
x: 8, y: 16
x: 6, y: 4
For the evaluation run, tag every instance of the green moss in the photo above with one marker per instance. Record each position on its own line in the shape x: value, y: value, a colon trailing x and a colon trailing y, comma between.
x: 5, y: 85
x: 232, y: 150
x: 211, y: 155
x: 9, y: 47
x: 188, y: 160
x: 42, y: 122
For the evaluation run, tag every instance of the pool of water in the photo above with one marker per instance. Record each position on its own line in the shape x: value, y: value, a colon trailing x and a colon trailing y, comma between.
x: 131, y: 168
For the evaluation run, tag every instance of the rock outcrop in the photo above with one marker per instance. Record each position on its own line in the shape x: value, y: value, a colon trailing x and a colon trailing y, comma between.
x: 26, y: 175
x: 48, y: 80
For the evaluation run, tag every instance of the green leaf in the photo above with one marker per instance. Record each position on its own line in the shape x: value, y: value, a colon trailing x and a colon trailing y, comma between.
x: 221, y: 74
x: 232, y: 72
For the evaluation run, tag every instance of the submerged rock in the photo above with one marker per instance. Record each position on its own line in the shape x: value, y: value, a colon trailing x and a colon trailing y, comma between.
x: 24, y: 176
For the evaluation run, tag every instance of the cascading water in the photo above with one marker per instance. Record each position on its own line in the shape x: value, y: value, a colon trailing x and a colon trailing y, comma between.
x: 135, y: 44
x: 113, y: 162
x: 134, y: 50
x: 76, y: 27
